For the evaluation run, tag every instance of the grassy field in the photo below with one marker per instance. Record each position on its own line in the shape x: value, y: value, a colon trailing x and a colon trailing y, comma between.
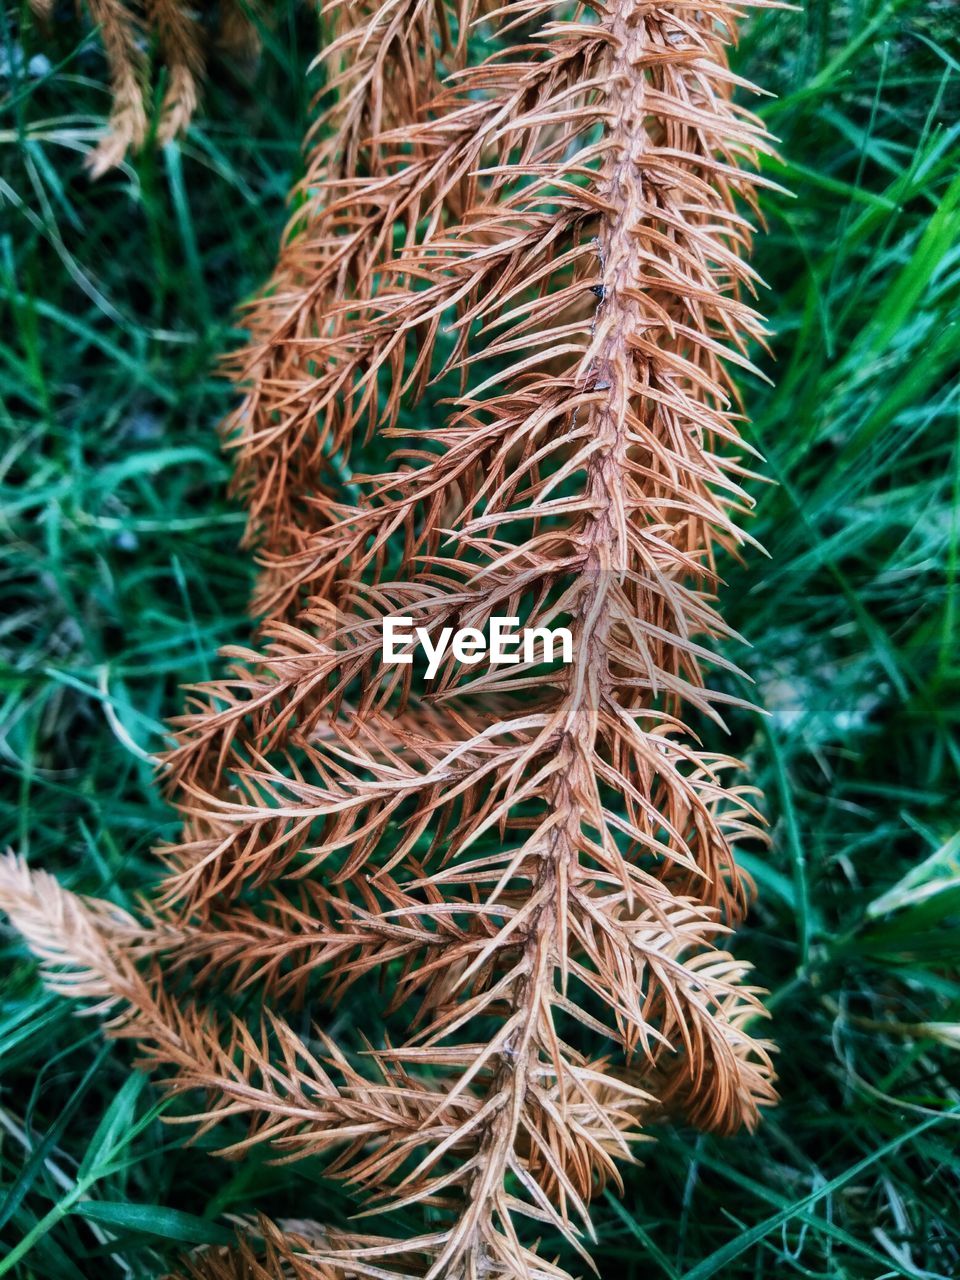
x: 120, y: 579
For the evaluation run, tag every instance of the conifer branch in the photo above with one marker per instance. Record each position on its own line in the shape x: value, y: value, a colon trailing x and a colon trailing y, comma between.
x: 381, y: 62
x: 545, y: 857
x: 127, y: 65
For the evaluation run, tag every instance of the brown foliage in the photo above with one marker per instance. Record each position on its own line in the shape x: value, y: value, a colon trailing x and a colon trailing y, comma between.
x: 300, y: 406
x: 176, y: 30
x: 544, y: 858
x: 268, y: 1251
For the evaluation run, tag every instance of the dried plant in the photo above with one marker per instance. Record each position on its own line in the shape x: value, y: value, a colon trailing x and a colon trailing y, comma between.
x: 268, y: 1251
x: 180, y: 46
x: 544, y: 856
x: 127, y: 63
x: 177, y: 31
x: 351, y: 207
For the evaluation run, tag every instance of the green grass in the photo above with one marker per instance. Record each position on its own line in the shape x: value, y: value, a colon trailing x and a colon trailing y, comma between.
x: 120, y: 578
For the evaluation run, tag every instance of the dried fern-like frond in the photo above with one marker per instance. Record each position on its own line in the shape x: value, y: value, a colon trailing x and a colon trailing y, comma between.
x: 127, y: 127
x: 543, y: 857
x: 81, y: 944
x: 603, y: 269
x: 289, y: 1097
x: 124, y: 31
x: 382, y: 65
x: 180, y: 45
x: 268, y: 1251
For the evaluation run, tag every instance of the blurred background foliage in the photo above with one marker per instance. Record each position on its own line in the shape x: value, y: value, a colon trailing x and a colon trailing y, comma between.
x: 120, y: 578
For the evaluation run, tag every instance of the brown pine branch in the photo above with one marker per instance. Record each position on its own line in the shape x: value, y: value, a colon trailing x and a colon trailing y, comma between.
x: 627, y: 398
x: 289, y: 1098
x: 265, y: 1250
x: 127, y: 127
x: 655, y: 497
x: 546, y: 857
x: 381, y: 62
x: 181, y: 47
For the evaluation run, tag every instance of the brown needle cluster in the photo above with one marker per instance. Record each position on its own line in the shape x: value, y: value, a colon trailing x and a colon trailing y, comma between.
x: 535, y: 863
x: 177, y: 32
x: 302, y: 401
